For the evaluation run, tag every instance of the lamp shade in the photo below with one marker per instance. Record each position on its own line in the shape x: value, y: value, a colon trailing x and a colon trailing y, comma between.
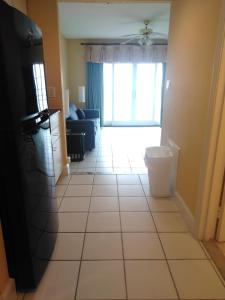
x: 81, y: 94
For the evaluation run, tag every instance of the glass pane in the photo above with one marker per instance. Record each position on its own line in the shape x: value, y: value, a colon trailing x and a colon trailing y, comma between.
x: 108, y: 91
x: 158, y: 94
x: 148, y: 92
x: 39, y: 79
x: 123, y: 79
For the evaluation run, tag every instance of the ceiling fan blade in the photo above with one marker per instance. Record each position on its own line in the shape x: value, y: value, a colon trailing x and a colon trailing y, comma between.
x: 128, y: 35
x: 158, y: 34
x: 128, y: 41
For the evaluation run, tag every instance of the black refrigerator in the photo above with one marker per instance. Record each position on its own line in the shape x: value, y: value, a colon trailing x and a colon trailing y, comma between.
x: 27, y: 184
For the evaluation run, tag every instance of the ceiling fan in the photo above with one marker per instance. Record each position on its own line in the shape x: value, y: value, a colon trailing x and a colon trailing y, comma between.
x: 145, y: 37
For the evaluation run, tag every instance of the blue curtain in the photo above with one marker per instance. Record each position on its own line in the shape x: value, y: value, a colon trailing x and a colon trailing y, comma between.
x: 95, y: 88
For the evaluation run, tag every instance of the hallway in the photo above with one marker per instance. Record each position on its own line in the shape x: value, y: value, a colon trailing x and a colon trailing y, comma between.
x: 117, y: 242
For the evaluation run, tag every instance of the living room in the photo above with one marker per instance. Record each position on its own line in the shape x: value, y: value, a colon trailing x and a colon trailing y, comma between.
x: 135, y: 103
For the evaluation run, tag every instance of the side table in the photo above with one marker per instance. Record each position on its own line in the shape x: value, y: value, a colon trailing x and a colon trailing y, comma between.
x: 75, y: 145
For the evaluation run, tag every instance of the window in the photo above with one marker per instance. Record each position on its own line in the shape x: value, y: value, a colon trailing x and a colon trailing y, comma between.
x: 132, y: 94
x: 39, y: 79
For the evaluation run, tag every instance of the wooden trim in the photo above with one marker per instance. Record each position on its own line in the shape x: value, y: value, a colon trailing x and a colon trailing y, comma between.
x: 220, y: 231
x: 217, y: 256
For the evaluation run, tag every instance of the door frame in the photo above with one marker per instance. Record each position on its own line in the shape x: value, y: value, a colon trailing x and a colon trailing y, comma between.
x: 220, y: 229
x: 212, y: 170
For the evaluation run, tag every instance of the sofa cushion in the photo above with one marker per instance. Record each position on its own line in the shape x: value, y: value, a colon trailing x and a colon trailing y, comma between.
x: 81, y: 114
x: 73, y: 114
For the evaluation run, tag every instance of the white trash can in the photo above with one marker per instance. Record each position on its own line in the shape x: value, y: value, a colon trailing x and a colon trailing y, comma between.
x: 159, y: 161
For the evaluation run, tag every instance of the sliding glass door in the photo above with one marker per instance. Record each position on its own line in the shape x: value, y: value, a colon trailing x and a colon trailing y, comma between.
x: 132, y: 94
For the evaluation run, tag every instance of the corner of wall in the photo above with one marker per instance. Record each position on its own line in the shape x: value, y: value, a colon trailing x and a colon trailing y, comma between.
x: 186, y: 213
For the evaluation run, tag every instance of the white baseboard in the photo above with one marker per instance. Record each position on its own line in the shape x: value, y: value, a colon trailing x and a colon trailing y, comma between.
x: 185, y: 212
x: 10, y: 291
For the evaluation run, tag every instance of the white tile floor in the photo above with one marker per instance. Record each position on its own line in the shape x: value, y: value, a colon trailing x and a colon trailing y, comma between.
x: 119, y: 151
x: 117, y: 242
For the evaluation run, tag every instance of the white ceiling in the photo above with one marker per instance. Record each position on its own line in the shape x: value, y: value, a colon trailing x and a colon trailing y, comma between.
x: 110, y: 21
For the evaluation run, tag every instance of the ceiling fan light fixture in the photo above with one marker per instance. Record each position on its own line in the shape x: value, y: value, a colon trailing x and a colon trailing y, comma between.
x: 146, y: 41
x: 141, y: 42
x: 146, y: 37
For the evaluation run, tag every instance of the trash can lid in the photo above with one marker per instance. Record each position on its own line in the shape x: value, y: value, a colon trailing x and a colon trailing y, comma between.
x: 158, y: 151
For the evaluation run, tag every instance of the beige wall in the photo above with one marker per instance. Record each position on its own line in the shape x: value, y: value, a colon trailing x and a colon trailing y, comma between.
x: 191, y: 50
x: 45, y: 14
x: 76, y: 68
x: 20, y: 5
x: 64, y: 62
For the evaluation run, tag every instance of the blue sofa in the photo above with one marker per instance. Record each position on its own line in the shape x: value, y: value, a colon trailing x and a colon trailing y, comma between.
x: 89, y: 125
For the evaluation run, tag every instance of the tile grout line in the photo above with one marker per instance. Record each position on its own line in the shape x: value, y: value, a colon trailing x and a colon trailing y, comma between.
x: 121, y: 236
x: 199, y: 242
x: 131, y: 259
x: 146, y: 197
x: 119, y: 231
x: 59, y: 204
x: 167, y: 262
x: 113, y: 211
x: 104, y: 172
x: 82, y: 251
x: 174, y: 284
x: 64, y: 192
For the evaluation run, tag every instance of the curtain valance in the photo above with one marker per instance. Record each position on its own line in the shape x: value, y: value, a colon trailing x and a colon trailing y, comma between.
x: 126, y: 54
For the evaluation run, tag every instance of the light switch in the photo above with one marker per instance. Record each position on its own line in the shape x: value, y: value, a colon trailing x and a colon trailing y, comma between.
x: 51, y: 92
x: 167, y: 84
